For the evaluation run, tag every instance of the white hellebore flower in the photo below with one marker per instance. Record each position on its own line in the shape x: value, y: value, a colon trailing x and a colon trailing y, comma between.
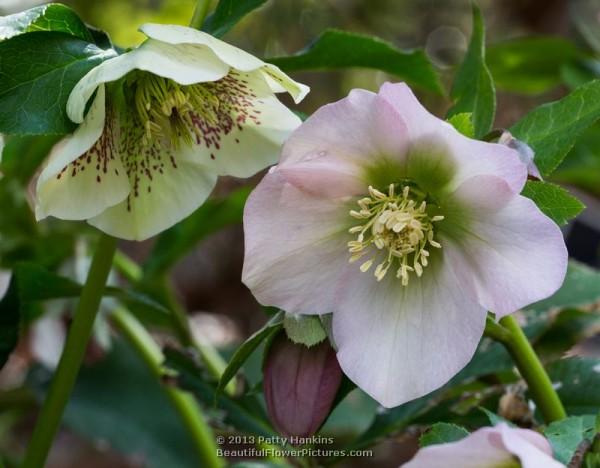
x: 165, y: 120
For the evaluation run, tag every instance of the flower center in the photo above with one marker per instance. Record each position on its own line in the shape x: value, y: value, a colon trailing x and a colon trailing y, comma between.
x: 399, y: 228
x: 166, y: 109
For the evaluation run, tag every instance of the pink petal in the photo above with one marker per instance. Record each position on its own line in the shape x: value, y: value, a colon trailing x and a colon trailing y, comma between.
x: 295, y: 247
x: 399, y: 343
x: 532, y: 449
x: 328, y: 153
x: 509, y: 254
x: 472, y: 157
x: 489, y: 447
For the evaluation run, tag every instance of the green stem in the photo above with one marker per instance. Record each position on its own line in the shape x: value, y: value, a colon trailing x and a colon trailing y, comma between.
x: 200, y: 13
x: 64, y: 378
x: 533, y: 372
x: 183, y: 402
x: 213, y: 361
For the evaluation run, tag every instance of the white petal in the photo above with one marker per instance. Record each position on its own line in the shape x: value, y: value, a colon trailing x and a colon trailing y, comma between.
x: 252, y: 126
x: 185, y: 64
x: 160, y: 198
x: 83, y: 177
x: 532, y: 449
x: 295, y: 252
x: 400, y: 343
x: 232, y: 56
x: 509, y: 254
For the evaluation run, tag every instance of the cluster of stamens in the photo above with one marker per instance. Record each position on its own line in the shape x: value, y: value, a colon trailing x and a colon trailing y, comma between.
x: 400, y: 230
x: 166, y: 109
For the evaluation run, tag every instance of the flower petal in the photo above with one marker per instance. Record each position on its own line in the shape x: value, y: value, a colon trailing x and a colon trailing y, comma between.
x: 509, y: 254
x: 329, y: 152
x: 294, y: 251
x: 165, y: 189
x: 532, y: 449
x: 232, y: 56
x: 473, y: 157
x: 399, y: 343
x: 250, y: 128
x: 84, y: 174
x: 481, y: 449
x: 186, y: 64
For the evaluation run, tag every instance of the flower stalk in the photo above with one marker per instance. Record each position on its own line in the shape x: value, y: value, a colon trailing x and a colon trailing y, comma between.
x: 200, y: 12
x: 183, y: 402
x: 510, y: 334
x: 65, y: 376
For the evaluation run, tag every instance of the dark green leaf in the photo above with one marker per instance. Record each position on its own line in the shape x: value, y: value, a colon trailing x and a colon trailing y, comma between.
x: 247, y: 348
x: 37, y: 73
x: 177, y: 241
x: 530, y: 65
x: 120, y: 401
x: 553, y: 200
x: 577, y: 381
x: 473, y: 90
x: 51, y: 17
x: 566, y: 435
x: 227, y: 14
x: 340, y: 49
x: 442, y: 433
x: 552, y: 129
x: 244, y: 413
x: 581, y: 287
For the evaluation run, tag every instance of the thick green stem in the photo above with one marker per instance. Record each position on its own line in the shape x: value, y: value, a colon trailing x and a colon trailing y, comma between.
x: 64, y: 378
x: 183, y: 402
x: 200, y: 13
x: 532, y: 371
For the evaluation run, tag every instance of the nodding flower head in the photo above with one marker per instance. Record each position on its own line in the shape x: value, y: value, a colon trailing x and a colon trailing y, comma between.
x: 165, y: 120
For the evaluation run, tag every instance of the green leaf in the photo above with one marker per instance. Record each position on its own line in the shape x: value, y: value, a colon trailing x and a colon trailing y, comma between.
x: 553, y: 128
x: 38, y: 72
x: 51, y: 17
x: 473, y: 90
x: 463, y: 123
x: 577, y: 381
x: 112, y: 402
x: 530, y: 65
x: 304, y: 329
x: 581, y: 287
x: 177, y: 241
x: 227, y: 14
x: 442, y: 433
x: 566, y: 435
x: 244, y: 413
x: 23, y: 155
x: 340, y: 49
x: 553, y: 200
x: 247, y: 348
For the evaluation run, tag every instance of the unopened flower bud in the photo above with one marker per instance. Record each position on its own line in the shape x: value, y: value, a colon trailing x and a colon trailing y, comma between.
x: 300, y: 384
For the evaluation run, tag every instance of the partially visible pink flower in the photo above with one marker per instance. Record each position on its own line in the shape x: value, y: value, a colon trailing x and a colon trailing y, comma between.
x: 406, y: 230
x: 489, y: 447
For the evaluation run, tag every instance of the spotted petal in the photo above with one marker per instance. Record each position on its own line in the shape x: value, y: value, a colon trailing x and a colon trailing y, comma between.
x: 84, y: 174
x: 232, y: 56
x: 166, y: 187
x: 509, y: 254
x: 294, y: 252
x: 399, y: 343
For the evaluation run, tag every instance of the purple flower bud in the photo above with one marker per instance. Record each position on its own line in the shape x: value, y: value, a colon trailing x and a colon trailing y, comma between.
x: 300, y: 384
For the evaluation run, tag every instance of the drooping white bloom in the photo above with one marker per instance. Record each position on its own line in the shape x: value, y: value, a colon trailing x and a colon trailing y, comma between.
x: 165, y: 120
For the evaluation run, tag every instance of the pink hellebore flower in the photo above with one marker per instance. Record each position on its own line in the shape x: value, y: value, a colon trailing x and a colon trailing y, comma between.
x: 406, y: 230
x: 489, y: 447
